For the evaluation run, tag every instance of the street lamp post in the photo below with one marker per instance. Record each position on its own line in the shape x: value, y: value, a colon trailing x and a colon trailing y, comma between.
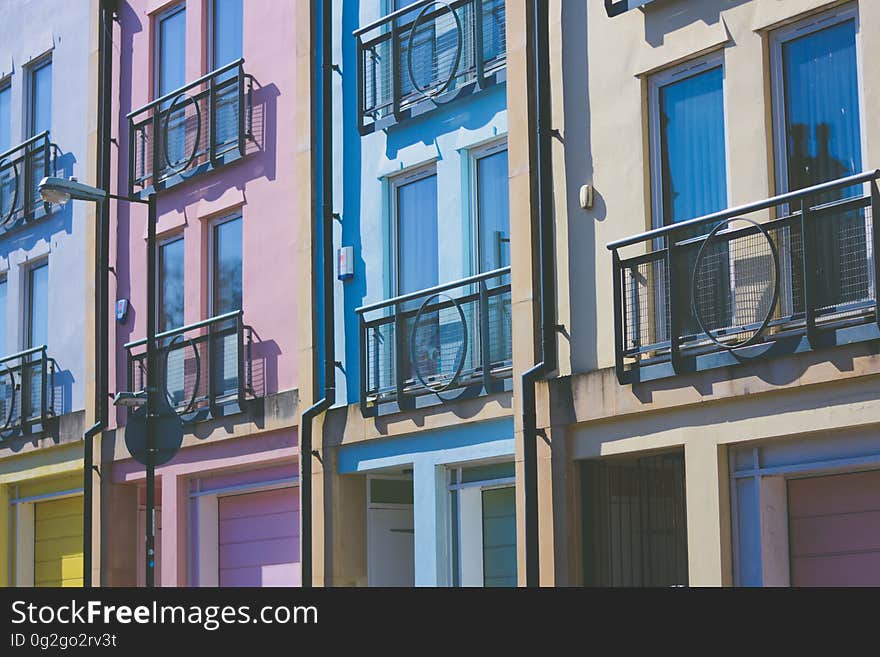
x: 60, y: 191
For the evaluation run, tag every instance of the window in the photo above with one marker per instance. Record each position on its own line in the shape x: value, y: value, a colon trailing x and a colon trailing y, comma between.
x: 483, y: 506
x: 40, y: 98
x: 688, y: 154
x: 5, y: 116
x: 169, y: 75
x: 226, y: 268
x: 4, y: 315
x: 170, y: 288
x: 37, y: 329
x: 226, y: 32
x: 818, y: 138
x: 492, y: 207
x: 414, y: 199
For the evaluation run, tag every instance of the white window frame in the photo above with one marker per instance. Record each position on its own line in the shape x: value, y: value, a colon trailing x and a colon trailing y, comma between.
x: 394, y: 184
x: 475, y: 155
x: 212, y: 255
x: 157, y: 41
x: 32, y: 68
x: 656, y: 82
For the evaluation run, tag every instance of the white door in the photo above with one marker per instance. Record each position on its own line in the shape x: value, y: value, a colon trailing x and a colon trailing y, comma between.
x: 390, y: 547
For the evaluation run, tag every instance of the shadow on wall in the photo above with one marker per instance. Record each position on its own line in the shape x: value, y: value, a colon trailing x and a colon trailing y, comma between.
x: 671, y: 16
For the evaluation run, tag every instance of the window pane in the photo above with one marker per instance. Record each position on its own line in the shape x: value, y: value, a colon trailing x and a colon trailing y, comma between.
x: 38, y: 306
x: 172, y: 52
x: 418, y: 266
x: 494, y: 211
x: 499, y: 537
x: 227, y: 32
x: 41, y: 99
x: 5, y: 118
x: 821, y: 106
x: 171, y: 285
x: 3, y: 319
x: 227, y: 267
x: 692, y: 147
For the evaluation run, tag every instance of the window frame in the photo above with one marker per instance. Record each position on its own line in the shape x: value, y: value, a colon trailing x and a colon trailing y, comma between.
x: 777, y: 39
x: 33, y: 67
x: 162, y: 242
x: 212, y: 255
x: 407, y: 177
x: 476, y: 154
x: 656, y: 82
x: 157, y: 42
x: 28, y: 305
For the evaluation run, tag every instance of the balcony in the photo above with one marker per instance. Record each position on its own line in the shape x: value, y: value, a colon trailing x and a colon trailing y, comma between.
x: 785, y: 275
x: 190, y: 131
x: 21, y: 170
x: 439, y: 345
x: 27, y: 391
x: 207, y: 367
x: 427, y: 54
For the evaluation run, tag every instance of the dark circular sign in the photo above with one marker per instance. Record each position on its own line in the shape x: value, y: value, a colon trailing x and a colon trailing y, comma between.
x: 167, y: 435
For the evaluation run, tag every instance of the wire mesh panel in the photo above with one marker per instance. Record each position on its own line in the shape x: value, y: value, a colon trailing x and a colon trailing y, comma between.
x: 635, y: 522
x: 425, y: 50
x: 760, y: 273
x: 27, y: 392
x: 447, y: 338
x: 21, y: 170
x: 190, y: 129
x: 202, y: 366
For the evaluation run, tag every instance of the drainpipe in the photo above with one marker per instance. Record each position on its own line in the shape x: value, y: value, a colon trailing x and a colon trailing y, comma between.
x: 102, y: 264
x: 538, y: 55
x: 326, y: 268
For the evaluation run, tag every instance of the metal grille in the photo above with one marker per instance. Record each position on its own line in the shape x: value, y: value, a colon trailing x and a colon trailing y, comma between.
x: 425, y: 50
x: 448, y: 337
x: 204, y: 365
x: 27, y: 390
x: 740, y: 278
x: 21, y: 170
x: 635, y: 522
x: 191, y: 129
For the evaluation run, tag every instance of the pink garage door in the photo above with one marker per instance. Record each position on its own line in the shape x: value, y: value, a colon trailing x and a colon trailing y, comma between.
x: 259, y: 539
x: 834, y: 533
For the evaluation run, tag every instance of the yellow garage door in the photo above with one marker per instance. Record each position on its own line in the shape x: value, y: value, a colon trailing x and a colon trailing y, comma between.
x: 58, y: 541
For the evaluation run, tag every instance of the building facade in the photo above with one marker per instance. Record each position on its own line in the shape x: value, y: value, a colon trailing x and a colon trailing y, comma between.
x: 414, y: 477
x: 206, y: 121
x: 47, y: 97
x: 714, y: 418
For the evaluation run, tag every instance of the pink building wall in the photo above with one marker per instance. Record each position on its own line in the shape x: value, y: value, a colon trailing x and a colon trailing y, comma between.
x: 262, y: 185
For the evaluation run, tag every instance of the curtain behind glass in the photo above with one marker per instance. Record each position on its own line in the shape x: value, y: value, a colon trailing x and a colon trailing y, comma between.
x: 823, y: 143
x: 417, y: 235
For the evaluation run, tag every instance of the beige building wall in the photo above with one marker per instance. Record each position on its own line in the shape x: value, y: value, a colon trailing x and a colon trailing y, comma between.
x: 600, y: 68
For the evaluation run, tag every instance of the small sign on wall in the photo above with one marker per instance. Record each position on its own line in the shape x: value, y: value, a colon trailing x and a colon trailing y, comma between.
x: 345, y: 263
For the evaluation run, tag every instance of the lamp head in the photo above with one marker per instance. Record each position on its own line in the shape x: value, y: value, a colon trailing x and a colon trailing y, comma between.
x: 61, y: 190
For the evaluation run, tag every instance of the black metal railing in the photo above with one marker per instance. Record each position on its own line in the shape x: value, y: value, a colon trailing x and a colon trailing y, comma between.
x: 27, y: 391
x: 428, y: 51
x: 205, y: 365
x: 788, y: 274
x: 190, y: 130
x: 21, y: 169
x: 442, y: 342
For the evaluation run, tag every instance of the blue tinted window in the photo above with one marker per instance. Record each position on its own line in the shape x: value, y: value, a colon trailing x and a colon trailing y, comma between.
x: 38, y: 306
x: 692, y: 153
x: 493, y: 207
x: 821, y: 106
x: 5, y: 117
x: 171, y: 51
x: 41, y: 99
x: 418, y: 264
x: 171, y: 285
x: 227, y: 266
x: 3, y: 317
x: 226, y: 32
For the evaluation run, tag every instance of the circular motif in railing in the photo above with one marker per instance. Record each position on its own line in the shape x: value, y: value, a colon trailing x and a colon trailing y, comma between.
x: 735, y: 284
x: 438, y: 343
x: 431, y: 36
x: 179, y: 104
x: 178, y: 346
x: 8, y: 197
x: 7, y: 395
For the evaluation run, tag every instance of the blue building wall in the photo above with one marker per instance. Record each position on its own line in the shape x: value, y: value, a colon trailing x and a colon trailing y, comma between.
x: 365, y: 166
x: 30, y: 30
